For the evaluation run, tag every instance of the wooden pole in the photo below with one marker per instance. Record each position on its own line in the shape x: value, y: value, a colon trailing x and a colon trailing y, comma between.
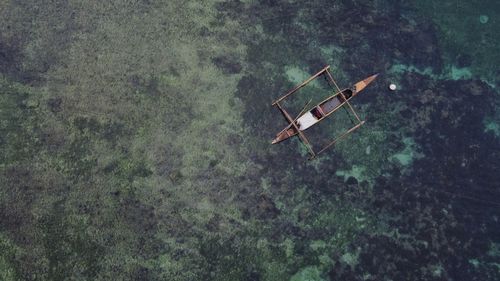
x: 298, y: 116
x: 301, y: 85
x: 352, y: 109
x: 301, y: 135
x: 340, y: 91
x: 341, y: 136
x: 333, y: 80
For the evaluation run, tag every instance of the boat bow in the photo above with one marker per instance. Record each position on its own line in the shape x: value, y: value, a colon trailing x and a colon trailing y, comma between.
x: 358, y: 87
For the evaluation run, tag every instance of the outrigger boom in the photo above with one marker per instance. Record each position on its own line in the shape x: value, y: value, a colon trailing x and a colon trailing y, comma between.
x: 303, y: 121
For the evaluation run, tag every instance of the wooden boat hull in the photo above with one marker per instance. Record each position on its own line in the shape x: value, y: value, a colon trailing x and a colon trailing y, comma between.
x: 322, y: 110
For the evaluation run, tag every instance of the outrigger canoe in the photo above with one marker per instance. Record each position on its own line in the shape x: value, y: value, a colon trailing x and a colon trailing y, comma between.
x: 321, y: 111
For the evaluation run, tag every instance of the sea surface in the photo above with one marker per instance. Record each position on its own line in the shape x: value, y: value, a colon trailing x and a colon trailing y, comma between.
x: 135, y: 141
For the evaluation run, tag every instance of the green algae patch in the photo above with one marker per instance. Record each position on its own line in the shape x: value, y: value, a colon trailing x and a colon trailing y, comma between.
x: 241, y: 257
x: 458, y: 73
x: 408, y: 154
x: 296, y: 75
x: 466, y: 31
x: 350, y: 258
x: 8, y: 254
x: 399, y: 68
x: 332, y: 224
x: 311, y: 273
x: 450, y: 71
x: 492, y: 125
x: 356, y: 172
x: 340, y: 226
x: 133, y: 127
x: 404, y: 158
x: 371, y: 138
x: 68, y: 245
x: 19, y: 114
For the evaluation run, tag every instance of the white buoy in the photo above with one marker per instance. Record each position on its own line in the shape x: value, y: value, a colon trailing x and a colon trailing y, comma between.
x: 392, y: 87
x: 483, y: 19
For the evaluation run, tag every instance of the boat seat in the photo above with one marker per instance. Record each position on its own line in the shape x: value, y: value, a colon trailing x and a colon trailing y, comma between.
x: 330, y: 105
x: 316, y: 112
x: 347, y: 93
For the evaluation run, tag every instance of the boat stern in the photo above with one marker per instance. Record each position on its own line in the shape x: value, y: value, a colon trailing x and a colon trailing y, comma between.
x: 283, y: 135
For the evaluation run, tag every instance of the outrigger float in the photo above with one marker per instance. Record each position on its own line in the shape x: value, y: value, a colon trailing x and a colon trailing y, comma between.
x: 305, y: 120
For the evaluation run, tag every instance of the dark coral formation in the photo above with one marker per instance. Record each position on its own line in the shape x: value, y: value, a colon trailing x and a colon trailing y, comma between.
x: 441, y: 217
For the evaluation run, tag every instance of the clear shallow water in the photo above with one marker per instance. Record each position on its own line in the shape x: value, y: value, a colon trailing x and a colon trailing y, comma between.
x: 135, y: 142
